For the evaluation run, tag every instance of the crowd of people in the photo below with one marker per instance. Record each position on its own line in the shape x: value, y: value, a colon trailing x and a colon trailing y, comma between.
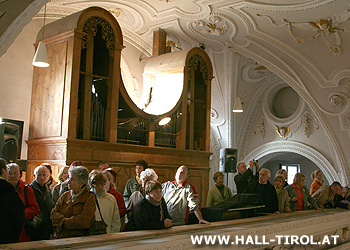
x: 82, y: 201
x: 281, y: 197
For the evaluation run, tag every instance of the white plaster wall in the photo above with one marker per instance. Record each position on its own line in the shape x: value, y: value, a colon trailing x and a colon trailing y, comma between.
x: 16, y: 72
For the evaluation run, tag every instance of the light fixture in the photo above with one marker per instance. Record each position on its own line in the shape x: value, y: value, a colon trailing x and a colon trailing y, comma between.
x: 237, y: 108
x: 40, y: 58
x: 164, y: 121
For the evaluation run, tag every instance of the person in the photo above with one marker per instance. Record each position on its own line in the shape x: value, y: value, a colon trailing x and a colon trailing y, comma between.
x: 57, y: 189
x: 245, y: 176
x: 145, y: 176
x: 102, y: 165
x: 64, y: 186
x: 282, y: 194
x: 317, y: 181
x: 107, y: 203
x: 12, y: 209
x: 328, y: 196
x: 50, y: 181
x: 181, y: 197
x: 26, y: 194
x: 285, y: 175
x: 114, y: 181
x: 265, y: 190
x: 117, y: 195
x: 151, y: 212
x: 74, y: 212
x: 219, y: 192
x: 299, y: 194
x: 41, y: 223
x: 134, y: 183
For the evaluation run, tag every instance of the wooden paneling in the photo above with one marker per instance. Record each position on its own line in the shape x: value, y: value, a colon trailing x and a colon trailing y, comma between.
x: 122, y: 158
x: 54, y: 112
x: 48, y: 93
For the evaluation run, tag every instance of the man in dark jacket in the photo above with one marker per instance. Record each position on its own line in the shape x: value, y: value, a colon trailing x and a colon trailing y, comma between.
x: 265, y: 190
x: 12, y: 210
x: 41, y: 224
x: 245, y: 176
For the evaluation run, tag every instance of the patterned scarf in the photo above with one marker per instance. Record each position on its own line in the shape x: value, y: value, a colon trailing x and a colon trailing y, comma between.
x: 156, y: 203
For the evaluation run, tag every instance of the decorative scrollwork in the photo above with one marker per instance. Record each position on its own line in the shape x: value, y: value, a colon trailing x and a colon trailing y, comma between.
x: 303, y: 32
x: 196, y: 62
x: 336, y: 100
x: 91, y: 28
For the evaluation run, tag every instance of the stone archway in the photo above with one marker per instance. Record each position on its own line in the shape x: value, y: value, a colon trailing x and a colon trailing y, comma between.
x: 310, y: 153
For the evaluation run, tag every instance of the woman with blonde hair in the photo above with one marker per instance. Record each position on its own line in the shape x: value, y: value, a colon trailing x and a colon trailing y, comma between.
x: 299, y: 194
x: 106, y: 205
x: 219, y: 192
x: 285, y: 175
x: 317, y: 183
x: 109, y: 187
x: 57, y: 189
x: 282, y: 194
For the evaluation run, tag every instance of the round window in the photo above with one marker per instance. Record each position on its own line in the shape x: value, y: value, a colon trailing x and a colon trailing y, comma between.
x: 284, y: 102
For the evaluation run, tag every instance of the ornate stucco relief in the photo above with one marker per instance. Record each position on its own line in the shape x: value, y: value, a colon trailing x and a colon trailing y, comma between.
x: 253, y: 72
x: 215, y: 26
x: 328, y: 29
x: 260, y: 128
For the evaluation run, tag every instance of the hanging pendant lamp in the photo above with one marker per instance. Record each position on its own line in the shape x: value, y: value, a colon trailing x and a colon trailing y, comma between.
x: 40, y: 58
x: 237, y: 108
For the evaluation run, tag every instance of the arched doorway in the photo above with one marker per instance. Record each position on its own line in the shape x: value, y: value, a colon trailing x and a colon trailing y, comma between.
x: 329, y: 172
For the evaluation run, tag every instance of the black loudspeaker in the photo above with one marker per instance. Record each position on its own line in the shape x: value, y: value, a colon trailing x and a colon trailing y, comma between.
x: 9, y: 141
x: 228, y: 160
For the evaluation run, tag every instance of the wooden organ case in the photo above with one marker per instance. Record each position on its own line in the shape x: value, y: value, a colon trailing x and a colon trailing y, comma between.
x: 80, y: 108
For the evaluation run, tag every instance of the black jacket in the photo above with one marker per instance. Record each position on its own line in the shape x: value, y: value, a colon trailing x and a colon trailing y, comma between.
x: 146, y: 216
x: 41, y: 222
x: 12, y: 213
x: 267, y: 194
x: 243, y: 180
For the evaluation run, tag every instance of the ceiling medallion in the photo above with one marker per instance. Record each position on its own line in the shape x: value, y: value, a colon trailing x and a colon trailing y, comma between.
x: 336, y: 100
x: 216, y: 26
x: 328, y: 29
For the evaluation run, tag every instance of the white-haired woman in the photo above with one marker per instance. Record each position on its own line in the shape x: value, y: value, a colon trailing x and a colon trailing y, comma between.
x: 57, y: 189
x: 147, y: 175
x: 75, y: 210
x: 26, y: 194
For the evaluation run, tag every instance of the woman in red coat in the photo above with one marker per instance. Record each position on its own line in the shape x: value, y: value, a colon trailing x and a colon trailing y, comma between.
x: 32, y: 207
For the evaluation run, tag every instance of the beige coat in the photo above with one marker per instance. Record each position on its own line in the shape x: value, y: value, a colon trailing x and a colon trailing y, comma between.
x: 324, y: 196
x: 109, y: 211
x: 214, y: 196
x: 283, y: 200
x: 72, y: 219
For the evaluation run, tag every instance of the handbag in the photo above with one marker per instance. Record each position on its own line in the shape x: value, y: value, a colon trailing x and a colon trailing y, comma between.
x: 98, y: 227
x: 31, y: 226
